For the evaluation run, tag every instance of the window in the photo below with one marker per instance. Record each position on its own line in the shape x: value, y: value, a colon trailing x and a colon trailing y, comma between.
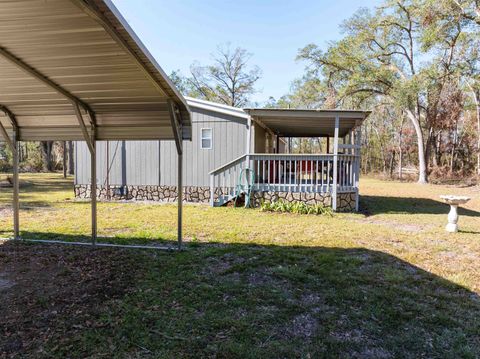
x: 206, y: 140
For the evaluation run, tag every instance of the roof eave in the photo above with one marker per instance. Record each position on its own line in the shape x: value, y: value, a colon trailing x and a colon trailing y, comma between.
x: 216, y: 107
x: 313, y: 113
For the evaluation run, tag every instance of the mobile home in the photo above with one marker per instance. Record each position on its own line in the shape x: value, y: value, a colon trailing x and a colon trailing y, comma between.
x: 225, y: 141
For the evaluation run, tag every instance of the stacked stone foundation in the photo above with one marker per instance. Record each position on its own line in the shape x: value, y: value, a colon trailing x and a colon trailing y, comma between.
x: 195, y: 194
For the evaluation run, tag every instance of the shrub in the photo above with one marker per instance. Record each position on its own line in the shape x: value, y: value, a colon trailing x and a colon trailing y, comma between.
x: 295, y: 207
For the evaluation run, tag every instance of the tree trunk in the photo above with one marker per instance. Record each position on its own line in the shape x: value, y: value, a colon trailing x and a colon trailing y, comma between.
x: 476, y: 98
x: 454, y: 147
x: 422, y: 159
x: 400, y: 151
x: 452, y: 159
x: 46, y: 149
x: 429, y: 146
x: 400, y: 162
x: 71, y: 163
x: 64, y: 159
x: 438, y: 153
x: 477, y: 105
x: 392, y: 163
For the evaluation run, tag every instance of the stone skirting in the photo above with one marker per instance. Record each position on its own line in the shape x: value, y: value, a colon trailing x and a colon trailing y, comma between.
x: 148, y: 193
x: 345, y: 201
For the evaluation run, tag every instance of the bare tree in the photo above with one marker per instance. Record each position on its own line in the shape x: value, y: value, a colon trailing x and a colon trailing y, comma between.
x: 228, y: 80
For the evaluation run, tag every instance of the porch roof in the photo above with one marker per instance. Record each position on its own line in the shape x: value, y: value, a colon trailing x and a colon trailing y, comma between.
x: 307, y: 123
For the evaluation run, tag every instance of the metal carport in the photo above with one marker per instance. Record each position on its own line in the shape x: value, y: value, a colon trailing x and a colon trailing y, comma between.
x: 75, y: 70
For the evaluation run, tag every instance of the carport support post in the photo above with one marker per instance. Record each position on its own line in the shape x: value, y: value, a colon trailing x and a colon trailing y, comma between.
x: 90, y: 139
x: 16, y: 187
x: 180, y: 198
x: 93, y: 185
x: 177, y: 133
x: 13, y: 145
x: 335, y: 164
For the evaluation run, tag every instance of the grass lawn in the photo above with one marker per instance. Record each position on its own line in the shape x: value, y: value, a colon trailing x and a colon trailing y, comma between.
x: 386, y: 283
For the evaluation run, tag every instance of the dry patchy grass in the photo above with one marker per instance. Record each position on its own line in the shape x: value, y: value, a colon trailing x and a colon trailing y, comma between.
x: 387, y: 282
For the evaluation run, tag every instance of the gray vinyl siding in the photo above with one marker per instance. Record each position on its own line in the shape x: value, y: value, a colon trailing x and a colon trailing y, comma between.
x: 259, y: 139
x: 155, y: 162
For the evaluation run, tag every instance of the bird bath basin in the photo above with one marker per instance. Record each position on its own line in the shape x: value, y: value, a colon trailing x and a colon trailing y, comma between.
x: 454, y: 202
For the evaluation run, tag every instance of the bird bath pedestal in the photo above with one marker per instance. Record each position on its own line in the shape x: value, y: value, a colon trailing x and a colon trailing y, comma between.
x: 454, y: 202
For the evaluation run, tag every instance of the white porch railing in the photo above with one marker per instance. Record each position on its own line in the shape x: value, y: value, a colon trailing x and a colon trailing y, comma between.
x: 302, y: 173
x: 224, y: 180
x: 287, y: 173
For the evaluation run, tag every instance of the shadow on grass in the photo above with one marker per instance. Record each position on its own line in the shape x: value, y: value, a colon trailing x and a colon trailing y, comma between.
x: 30, y: 188
x: 373, y: 205
x: 52, y: 236
x: 250, y: 301
x: 43, y: 185
x: 29, y: 204
x: 468, y: 232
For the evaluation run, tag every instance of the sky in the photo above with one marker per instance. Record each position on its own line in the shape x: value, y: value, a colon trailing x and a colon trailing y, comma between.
x: 179, y: 32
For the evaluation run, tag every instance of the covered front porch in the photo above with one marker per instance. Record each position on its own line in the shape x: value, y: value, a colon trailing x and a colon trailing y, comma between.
x: 272, y: 168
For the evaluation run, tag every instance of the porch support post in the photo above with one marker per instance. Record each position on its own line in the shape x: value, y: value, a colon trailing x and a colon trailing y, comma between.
x: 13, y: 144
x: 357, y: 140
x: 335, y: 164
x: 249, y: 139
x: 212, y: 190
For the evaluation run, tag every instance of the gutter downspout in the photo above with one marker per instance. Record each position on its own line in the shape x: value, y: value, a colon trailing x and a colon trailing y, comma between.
x: 249, y: 139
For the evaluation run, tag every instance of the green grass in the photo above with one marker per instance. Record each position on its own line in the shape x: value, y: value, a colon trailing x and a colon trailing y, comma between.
x: 389, y: 282
x: 295, y: 207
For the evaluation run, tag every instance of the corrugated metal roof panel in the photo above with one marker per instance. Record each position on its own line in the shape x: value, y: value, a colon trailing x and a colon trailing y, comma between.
x: 87, y: 49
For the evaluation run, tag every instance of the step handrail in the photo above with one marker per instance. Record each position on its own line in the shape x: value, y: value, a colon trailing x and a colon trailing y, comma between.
x: 228, y: 164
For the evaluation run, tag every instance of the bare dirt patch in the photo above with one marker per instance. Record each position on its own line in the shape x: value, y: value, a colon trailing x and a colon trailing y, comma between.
x: 50, y: 293
x: 303, y: 326
x: 5, y: 283
x: 6, y: 212
x: 222, y: 264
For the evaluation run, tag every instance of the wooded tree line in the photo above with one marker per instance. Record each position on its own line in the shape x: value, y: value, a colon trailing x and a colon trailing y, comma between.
x: 414, y: 63
x: 45, y: 156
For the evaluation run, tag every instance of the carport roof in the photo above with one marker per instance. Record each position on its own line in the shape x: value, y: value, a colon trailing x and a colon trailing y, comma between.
x: 57, y: 53
x: 307, y: 123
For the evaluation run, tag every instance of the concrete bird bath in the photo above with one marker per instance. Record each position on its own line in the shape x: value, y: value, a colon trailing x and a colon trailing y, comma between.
x: 454, y: 202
